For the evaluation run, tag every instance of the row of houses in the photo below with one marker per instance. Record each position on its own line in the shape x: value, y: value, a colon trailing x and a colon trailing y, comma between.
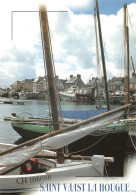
x: 39, y: 85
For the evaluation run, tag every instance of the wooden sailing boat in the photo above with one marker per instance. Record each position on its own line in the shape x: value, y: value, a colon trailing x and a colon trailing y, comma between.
x: 13, y: 159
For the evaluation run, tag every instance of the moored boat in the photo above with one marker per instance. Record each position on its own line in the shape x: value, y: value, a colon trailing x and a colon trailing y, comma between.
x: 29, y: 131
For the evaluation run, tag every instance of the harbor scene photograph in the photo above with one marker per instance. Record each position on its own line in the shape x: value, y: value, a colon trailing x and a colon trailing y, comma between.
x: 67, y: 97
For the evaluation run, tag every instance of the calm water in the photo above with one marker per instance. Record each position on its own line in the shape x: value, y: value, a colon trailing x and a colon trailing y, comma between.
x: 37, y: 108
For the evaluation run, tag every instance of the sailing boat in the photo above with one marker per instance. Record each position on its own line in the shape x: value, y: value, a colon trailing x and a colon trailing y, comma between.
x: 46, y: 170
x: 14, y: 161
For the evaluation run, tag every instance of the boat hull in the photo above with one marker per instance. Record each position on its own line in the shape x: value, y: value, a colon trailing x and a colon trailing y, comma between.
x: 113, y: 144
x: 67, y: 96
x: 28, y: 131
x: 62, y: 172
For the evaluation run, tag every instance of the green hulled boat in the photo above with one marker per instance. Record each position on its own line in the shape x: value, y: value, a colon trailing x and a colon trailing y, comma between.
x: 30, y: 131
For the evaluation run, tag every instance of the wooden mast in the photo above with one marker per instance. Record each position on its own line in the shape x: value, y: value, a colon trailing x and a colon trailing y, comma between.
x: 50, y: 73
x: 98, y: 61
x: 127, y: 33
x: 103, y: 57
x: 126, y: 49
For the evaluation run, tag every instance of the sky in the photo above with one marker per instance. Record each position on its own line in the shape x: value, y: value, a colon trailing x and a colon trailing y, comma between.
x: 72, y: 36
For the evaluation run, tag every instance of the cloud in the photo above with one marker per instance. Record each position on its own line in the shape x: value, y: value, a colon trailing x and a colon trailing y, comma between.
x: 72, y: 36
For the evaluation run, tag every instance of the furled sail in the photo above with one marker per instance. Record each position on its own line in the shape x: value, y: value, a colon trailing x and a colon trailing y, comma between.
x: 58, y: 139
x: 82, y: 114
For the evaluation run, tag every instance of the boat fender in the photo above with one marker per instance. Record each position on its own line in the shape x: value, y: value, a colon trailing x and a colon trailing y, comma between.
x: 33, y: 166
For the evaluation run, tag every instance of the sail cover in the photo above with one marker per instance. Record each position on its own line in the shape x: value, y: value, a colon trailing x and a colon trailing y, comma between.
x: 61, y: 138
x: 82, y: 114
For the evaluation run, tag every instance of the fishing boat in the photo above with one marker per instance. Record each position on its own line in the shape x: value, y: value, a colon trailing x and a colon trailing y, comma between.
x: 30, y: 129
x: 68, y: 95
x: 36, y: 164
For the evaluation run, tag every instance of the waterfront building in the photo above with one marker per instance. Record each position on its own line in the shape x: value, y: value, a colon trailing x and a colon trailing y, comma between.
x: 75, y: 81
x: 39, y: 85
x: 15, y: 86
x: 116, y: 84
x: 27, y: 85
x: 24, y: 85
x: 61, y: 84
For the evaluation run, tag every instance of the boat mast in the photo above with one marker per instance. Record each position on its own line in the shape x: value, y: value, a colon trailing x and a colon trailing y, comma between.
x: 102, y: 56
x: 98, y: 61
x: 50, y: 73
x: 126, y: 48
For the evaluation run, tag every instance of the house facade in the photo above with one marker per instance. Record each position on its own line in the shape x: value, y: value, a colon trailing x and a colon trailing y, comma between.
x: 24, y: 85
x: 39, y: 85
x: 14, y: 87
x: 27, y: 85
x: 75, y: 81
x: 116, y: 84
x: 98, y: 84
x: 61, y: 84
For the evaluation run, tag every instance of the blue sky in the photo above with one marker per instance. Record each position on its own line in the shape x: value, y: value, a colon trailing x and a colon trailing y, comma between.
x: 112, y: 6
x: 105, y: 6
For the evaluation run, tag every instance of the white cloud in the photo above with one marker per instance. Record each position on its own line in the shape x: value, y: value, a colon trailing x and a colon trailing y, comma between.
x: 73, y: 40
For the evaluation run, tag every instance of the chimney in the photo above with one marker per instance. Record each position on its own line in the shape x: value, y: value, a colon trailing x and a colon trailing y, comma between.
x: 78, y: 76
x: 71, y: 76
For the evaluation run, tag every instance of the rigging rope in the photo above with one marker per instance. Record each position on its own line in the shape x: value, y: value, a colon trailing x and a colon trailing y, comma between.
x: 98, y: 140
x: 91, y: 145
x: 132, y: 28
x: 131, y: 139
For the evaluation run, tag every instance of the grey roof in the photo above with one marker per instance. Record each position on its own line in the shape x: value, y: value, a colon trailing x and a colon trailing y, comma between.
x: 72, y: 80
x: 62, y: 81
x: 117, y: 78
x: 35, y: 80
